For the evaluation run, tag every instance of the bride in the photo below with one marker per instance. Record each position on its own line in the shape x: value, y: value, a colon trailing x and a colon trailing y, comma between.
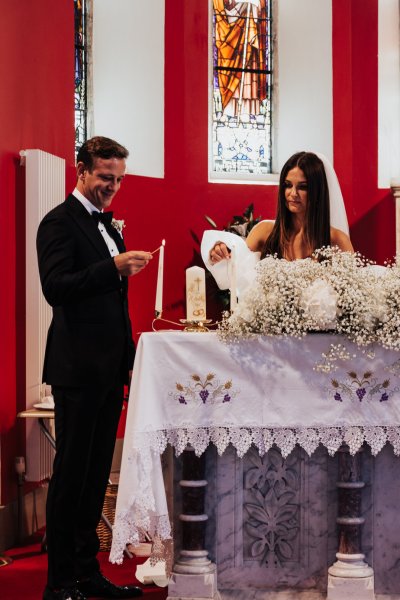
x: 310, y: 214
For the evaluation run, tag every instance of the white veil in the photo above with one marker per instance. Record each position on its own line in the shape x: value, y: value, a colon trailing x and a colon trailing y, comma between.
x: 247, y: 259
x: 338, y: 215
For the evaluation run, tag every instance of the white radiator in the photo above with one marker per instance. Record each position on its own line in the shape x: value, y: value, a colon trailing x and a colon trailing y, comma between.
x: 45, y: 188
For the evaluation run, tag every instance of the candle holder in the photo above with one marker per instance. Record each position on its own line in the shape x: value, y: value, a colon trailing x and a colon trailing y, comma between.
x: 188, y: 325
x: 196, y: 326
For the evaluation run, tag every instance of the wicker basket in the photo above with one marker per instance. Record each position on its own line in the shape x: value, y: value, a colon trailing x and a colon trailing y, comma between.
x: 110, y: 501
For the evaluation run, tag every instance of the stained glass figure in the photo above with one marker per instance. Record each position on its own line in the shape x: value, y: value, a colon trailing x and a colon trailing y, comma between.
x: 80, y: 73
x: 242, y: 85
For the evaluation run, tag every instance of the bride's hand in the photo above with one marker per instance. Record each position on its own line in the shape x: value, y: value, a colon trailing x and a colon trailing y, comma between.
x: 220, y: 251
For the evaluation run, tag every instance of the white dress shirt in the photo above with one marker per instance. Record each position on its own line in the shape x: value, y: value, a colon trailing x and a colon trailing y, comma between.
x: 111, y: 245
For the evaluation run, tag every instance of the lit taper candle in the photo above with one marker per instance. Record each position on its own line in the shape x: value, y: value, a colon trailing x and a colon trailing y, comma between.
x: 160, y: 278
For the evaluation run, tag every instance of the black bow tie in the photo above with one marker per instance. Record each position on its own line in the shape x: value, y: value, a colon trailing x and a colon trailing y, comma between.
x: 104, y: 217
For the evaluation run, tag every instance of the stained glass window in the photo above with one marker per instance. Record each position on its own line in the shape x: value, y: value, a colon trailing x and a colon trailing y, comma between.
x: 242, y: 86
x: 80, y: 72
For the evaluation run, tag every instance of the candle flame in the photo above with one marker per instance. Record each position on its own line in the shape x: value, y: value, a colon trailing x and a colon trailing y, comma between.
x: 163, y: 243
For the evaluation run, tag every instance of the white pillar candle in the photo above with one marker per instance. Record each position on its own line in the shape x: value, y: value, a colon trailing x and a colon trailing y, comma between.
x: 195, y: 294
x: 160, y: 277
x: 233, y: 285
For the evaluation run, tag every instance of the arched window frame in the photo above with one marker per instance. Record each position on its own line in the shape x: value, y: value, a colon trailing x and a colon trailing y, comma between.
x: 81, y: 13
x: 241, y: 88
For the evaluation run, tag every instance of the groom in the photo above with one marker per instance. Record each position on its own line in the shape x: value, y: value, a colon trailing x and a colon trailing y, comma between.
x: 84, y: 269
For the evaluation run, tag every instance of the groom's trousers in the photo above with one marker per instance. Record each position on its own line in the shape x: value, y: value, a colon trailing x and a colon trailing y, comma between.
x: 86, y: 422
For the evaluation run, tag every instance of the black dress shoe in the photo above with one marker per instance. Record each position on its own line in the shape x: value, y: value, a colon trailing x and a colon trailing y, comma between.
x: 99, y: 586
x: 68, y: 593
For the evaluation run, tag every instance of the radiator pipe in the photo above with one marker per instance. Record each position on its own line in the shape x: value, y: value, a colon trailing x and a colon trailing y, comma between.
x: 20, y: 470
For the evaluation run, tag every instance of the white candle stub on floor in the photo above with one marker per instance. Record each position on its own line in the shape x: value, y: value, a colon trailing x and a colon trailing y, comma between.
x: 148, y: 574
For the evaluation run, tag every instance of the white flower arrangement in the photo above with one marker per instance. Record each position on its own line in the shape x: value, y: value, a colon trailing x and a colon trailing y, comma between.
x: 118, y: 224
x: 333, y: 290
x: 319, y: 302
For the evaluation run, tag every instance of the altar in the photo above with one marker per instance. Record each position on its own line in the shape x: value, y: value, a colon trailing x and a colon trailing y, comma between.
x: 257, y: 422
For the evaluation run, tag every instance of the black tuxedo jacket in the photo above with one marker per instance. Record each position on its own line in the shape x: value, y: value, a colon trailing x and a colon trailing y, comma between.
x: 90, y: 339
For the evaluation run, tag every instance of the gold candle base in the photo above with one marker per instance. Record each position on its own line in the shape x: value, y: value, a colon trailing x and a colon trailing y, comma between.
x: 195, y: 326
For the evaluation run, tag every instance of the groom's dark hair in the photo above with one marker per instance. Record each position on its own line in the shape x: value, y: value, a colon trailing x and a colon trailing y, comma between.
x: 100, y: 147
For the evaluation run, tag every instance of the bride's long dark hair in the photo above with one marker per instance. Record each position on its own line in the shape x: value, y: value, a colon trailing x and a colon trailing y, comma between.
x: 317, y: 231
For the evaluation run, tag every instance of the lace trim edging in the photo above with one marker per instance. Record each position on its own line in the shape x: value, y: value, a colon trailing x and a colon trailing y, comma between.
x: 125, y: 532
x: 242, y: 438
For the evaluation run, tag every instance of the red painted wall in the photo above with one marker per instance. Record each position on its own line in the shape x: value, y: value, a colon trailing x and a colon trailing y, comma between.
x: 170, y: 208
x: 36, y: 111
x: 355, y: 109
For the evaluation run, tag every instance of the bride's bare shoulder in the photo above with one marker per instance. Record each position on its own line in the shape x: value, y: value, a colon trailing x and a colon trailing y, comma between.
x: 341, y: 239
x: 259, y: 235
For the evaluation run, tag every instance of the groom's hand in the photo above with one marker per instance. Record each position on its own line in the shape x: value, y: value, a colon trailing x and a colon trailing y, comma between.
x: 132, y: 262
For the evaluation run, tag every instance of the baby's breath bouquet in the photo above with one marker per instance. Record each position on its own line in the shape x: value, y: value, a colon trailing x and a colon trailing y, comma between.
x: 333, y: 290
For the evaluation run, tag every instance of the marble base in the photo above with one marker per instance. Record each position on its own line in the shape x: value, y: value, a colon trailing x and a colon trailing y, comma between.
x: 345, y: 588
x: 271, y: 595
x: 216, y: 597
x: 193, y: 587
x: 194, y: 562
x: 350, y: 566
x: 286, y: 595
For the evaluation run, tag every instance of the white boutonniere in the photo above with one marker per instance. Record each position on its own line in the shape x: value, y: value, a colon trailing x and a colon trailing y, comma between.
x: 119, y: 224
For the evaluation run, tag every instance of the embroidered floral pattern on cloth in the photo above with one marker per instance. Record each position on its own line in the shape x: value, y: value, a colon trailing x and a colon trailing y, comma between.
x: 282, y: 392
x: 206, y: 390
x: 363, y: 387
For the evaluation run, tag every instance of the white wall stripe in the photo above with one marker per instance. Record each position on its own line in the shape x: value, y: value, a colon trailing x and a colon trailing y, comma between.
x: 128, y: 79
x: 388, y: 92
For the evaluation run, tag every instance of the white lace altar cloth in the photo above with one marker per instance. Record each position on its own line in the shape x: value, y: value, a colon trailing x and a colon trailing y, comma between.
x: 190, y: 388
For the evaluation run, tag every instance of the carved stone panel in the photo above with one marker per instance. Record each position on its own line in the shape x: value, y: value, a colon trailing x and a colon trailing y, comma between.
x: 271, y: 517
x: 271, y: 503
x: 384, y: 554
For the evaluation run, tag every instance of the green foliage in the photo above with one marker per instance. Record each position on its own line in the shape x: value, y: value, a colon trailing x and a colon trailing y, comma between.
x: 239, y: 224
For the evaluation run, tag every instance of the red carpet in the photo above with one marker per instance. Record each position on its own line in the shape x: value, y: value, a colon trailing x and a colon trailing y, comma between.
x: 25, y: 577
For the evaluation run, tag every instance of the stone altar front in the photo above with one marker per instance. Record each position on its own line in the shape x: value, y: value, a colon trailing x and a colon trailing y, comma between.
x: 303, y: 497
x: 262, y: 519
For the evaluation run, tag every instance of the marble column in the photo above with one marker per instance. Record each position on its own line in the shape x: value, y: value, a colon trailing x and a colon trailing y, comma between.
x: 395, y: 187
x: 193, y: 575
x: 350, y: 576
